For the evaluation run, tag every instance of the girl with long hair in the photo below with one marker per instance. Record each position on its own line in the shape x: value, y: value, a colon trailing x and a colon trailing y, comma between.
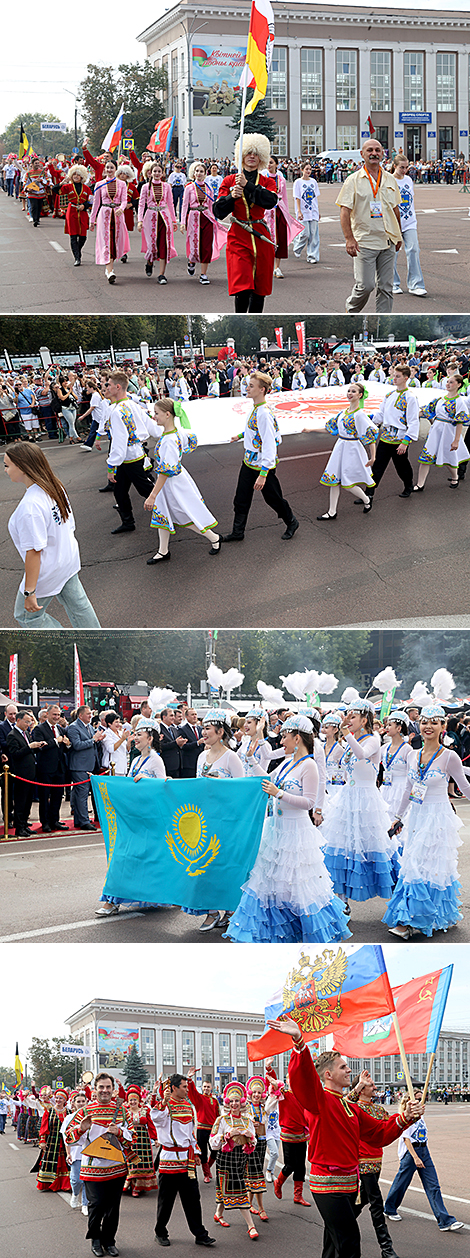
x: 175, y: 498
x: 156, y: 219
x: 348, y: 467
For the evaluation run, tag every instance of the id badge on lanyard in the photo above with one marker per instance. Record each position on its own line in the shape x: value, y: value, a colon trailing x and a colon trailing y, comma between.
x: 387, y: 778
x: 376, y: 208
x: 418, y: 792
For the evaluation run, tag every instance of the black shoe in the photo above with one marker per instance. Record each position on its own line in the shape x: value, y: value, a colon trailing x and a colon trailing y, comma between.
x: 111, y: 1249
x: 90, y: 826
x: 191, y: 268
x: 148, y: 268
x: 158, y: 558
x: 46, y: 830
x: 233, y: 537
x: 96, y: 1249
x: 406, y: 493
x: 59, y: 825
x: 107, y: 489
x: 77, y: 262
x: 290, y: 530
x: 367, y: 508
x: 22, y: 834
x: 215, y: 548
x: 124, y: 528
x: 123, y: 259
x: 327, y: 516
x: 162, y: 1240
x: 206, y: 1240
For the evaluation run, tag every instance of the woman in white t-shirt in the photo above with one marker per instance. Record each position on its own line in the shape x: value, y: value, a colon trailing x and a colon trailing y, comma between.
x: 306, y: 194
x: 43, y: 530
x: 408, y: 222
x: 115, y: 744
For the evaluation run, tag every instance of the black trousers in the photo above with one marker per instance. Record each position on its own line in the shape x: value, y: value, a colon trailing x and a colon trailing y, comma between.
x: 104, y: 1200
x: 203, y: 1133
x: 341, y: 1237
x: 126, y: 475
x: 36, y: 207
x: 294, y: 1155
x: 401, y: 463
x: 271, y: 491
x: 169, y: 1185
x: 248, y: 302
x: 372, y: 1196
x: 50, y: 799
x: 76, y: 245
x: 22, y: 804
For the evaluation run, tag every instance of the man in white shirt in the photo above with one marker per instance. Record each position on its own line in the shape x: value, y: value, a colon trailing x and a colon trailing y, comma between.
x: 370, y: 222
x: 398, y: 418
x: 126, y: 460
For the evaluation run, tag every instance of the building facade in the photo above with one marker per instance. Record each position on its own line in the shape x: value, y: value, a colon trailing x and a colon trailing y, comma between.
x: 333, y: 67
x: 450, y: 1066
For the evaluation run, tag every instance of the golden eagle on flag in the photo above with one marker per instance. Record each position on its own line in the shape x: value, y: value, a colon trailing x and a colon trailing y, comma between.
x: 259, y: 51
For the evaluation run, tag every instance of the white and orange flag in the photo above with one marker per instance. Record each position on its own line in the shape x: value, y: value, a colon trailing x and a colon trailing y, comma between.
x: 259, y: 51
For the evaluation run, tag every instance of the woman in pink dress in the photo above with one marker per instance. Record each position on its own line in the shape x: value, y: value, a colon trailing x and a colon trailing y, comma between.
x: 109, y: 204
x: 156, y: 220
x: 283, y: 227
x: 205, y: 237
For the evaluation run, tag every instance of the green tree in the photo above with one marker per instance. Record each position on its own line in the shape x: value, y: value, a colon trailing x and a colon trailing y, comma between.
x: 48, y: 1063
x: 259, y: 121
x: 134, y: 1069
x: 96, y: 332
x: 46, y: 143
x: 101, y: 94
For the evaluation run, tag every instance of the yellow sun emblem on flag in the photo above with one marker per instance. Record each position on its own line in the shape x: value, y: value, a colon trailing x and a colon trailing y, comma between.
x: 189, y: 844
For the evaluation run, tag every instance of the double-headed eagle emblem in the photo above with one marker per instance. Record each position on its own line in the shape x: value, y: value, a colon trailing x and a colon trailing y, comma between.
x: 189, y: 844
x: 308, y: 987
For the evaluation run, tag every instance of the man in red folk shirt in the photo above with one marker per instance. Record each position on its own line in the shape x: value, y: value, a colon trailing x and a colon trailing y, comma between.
x: 207, y: 1110
x: 104, y: 1177
x: 337, y: 1126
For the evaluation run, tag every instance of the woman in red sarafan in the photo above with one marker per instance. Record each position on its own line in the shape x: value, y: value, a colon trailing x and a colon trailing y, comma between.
x: 78, y: 197
x: 141, y: 1175
x: 53, y: 1173
x: 250, y: 249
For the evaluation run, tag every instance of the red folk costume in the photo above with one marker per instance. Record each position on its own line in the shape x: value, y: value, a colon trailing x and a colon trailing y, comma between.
x: 98, y: 1169
x: 250, y: 250
x: 141, y: 1175
x: 78, y: 200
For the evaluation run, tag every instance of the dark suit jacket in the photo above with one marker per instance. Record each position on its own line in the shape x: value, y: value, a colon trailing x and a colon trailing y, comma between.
x: 190, y: 753
x: 82, y: 754
x: 169, y: 750
x: 20, y: 756
x: 5, y: 730
x: 48, y: 759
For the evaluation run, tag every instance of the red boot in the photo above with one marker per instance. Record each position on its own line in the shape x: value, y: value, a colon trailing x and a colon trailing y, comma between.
x: 281, y: 1179
x: 298, y: 1198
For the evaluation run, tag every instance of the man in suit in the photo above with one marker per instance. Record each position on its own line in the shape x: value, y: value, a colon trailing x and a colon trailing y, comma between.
x: 20, y: 751
x: 82, y: 762
x: 49, y: 771
x: 6, y: 726
x: 414, y: 732
x: 192, y: 732
x: 170, y: 744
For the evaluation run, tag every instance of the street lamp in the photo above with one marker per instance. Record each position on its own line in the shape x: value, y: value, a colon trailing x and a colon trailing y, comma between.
x: 189, y: 32
x: 69, y: 93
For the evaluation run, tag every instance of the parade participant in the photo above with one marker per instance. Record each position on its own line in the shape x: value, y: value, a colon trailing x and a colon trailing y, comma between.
x: 444, y: 445
x: 395, y: 758
x: 78, y: 1200
x: 334, y: 752
x: 306, y: 193
x: 96, y: 164
x: 347, y: 465
x: 207, y: 1110
x: 261, y: 439
x: 148, y: 763
x: 250, y: 250
x: 43, y: 530
x: 109, y: 204
x: 104, y: 1178
x: 427, y: 895
x: 294, y: 1132
x: 156, y: 220
x: 205, y: 237
x: 214, y: 180
x: 127, y: 428
x: 52, y: 1169
x: 409, y: 227
x: 126, y: 173
x: 35, y: 188
x: 289, y: 895
x: 175, y: 498
x: 359, y: 854
x: 177, y: 182
x: 282, y: 226
x: 233, y: 1137
x: 364, y: 1091
x: 273, y: 1129
x: 216, y: 761
x: 141, y: 1175
x: 78, y: 197
x: 414, y: 1155
x: 255, y: 751
x: 336, y: 1127
x: 398, y: 418
x: 260, y: 1107
x: 370, y: 222
x: 179, y: 1157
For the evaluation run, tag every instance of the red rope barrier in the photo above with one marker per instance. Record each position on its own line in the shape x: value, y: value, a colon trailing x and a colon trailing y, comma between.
x: 58, y: 785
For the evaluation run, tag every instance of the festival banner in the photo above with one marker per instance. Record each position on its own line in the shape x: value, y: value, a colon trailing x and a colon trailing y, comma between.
x: 115, y: 1042
x: 278, y: 332
x: 420, y: 1005
x: 300, y: 330
x: 216, y: 75
x: 190, y: 842
x: 79, y: 697
x: 13, y: 678
x: 323, y: 991
x: 161, y: 139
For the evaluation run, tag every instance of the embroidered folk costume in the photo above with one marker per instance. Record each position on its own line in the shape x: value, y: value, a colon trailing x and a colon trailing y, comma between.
x: 53, y: 1174
x: 207, y: 1110
x: 233, y: 1137
x: 174, y: 1121
x: 205, y: 237
x: 157, y: 216
x: 78, y: 197
x: 141, y: 1175
x: 347, y: 462
x: 445, y: 414
x: 250, y: 249
x: 294, y: 1132
x: 112, y: 238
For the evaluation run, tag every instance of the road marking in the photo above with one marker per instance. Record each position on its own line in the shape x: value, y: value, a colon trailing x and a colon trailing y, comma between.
x: 419, y: 1214
x: 464, y: 1201
x: 444, y: 251
x: 336, y: 246
x: 292, y: 458
x: 74, y: 847
x: 58, y: 248
x: 428, y: 211
x: 54, y: 930
x: 325, y: 219
x: 14, y: 1146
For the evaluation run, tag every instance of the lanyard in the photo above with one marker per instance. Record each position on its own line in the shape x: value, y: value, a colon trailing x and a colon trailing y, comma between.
x: 135, y: 766
x: 328, y: 754
x: 371, y: 181
x: 423, y: 771
x: 389, y: 762
x: 291, y: 764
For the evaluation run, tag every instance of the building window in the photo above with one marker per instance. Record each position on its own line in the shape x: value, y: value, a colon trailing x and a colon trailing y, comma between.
x: 207, y: 1056
x: 276, y: 95
x: 279, y: 144
x: 346, y: 78
x: 312, y: 90
x: 147, y: 1046
x: 445, y: 74
x: 380, y: 80
x: 312, y: 140
x: 377, y: 1070
x: 346, y: 137
x: 414, y: 81
x: 224, y: 1049
x: 188, y: 1049
x: 381, y: 134
x: 241, y: 1050
x: 169, y: 1049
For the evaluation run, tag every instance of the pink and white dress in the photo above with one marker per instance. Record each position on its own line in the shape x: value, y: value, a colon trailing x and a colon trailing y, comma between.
x: 283, y: 227
x: 205, y: 237
x: 157, y: 218
x: 112, y: 237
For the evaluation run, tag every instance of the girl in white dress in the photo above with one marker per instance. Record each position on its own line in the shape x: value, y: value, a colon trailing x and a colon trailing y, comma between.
x: 444, y: 444
x: 216, y: 761
x: 255, y: 751
x: 395, y: 758
x: 175, y: 498
x: 347, y: 466
x: 289, y: 894
x: 334, y: 752
x: 359, y: 853
x: 427, y: 895
x: 314, y: 716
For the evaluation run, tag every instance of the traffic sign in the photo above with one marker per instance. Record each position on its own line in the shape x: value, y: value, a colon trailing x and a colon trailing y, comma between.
x: 127, y: 144
x: 72, y: 1050
x: 128, y: 134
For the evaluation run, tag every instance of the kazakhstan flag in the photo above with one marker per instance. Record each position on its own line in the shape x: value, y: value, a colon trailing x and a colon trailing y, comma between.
x: 188, y: 841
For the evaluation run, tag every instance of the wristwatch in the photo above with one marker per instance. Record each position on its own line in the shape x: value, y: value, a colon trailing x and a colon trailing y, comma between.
x: 27, y: 593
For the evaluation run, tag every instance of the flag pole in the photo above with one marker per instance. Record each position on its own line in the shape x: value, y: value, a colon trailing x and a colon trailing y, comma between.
x: 242, y: 122
x: 404, y: 1062
x: 428, y: 1076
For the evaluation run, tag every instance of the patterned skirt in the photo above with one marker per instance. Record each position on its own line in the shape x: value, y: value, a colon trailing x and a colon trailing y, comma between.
x: 141, y: 1175
x: 53, y: 1173
x: 231, y: 1179
x: 255, y: 1180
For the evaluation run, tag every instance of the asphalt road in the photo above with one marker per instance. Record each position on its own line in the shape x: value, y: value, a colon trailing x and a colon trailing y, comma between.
x: 41, y: 1225
x: 406, y: 560
x: 38, y: 276
x: 51, y: 888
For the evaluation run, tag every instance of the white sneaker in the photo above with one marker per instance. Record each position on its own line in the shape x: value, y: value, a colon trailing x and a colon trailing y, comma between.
x: 397, y: 289
x: 75, y: 1201
x: 395, y: 1218
x: 83, y: 446
x: 107, y: 910
x: 278, y: 273
x: 418, y: 292
x: 269, y: 1177
x: 85, y: 1211
x: 452, y: 1227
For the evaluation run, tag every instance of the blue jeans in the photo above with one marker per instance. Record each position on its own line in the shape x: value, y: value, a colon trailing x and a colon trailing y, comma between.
x: 72, y: 596
x: 414, y: 275
x: 90, y: 441
x: 3, y: 1119
x: 68, y: 413
x: 309, y: 236
x: 429, y: 1180
x: 77, y: 1185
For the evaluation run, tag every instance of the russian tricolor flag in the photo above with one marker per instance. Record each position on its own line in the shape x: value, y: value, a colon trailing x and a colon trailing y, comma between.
x: 113, y: 136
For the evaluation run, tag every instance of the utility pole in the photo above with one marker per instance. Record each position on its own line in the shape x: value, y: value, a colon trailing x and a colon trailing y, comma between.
x: 188, y: 34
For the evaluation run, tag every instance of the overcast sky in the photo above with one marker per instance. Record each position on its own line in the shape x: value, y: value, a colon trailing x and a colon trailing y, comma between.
x: 45, y: 54
x: 43, y: 984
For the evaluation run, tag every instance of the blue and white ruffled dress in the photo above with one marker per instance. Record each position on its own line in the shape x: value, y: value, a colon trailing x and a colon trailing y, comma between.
x: 359, y: 854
